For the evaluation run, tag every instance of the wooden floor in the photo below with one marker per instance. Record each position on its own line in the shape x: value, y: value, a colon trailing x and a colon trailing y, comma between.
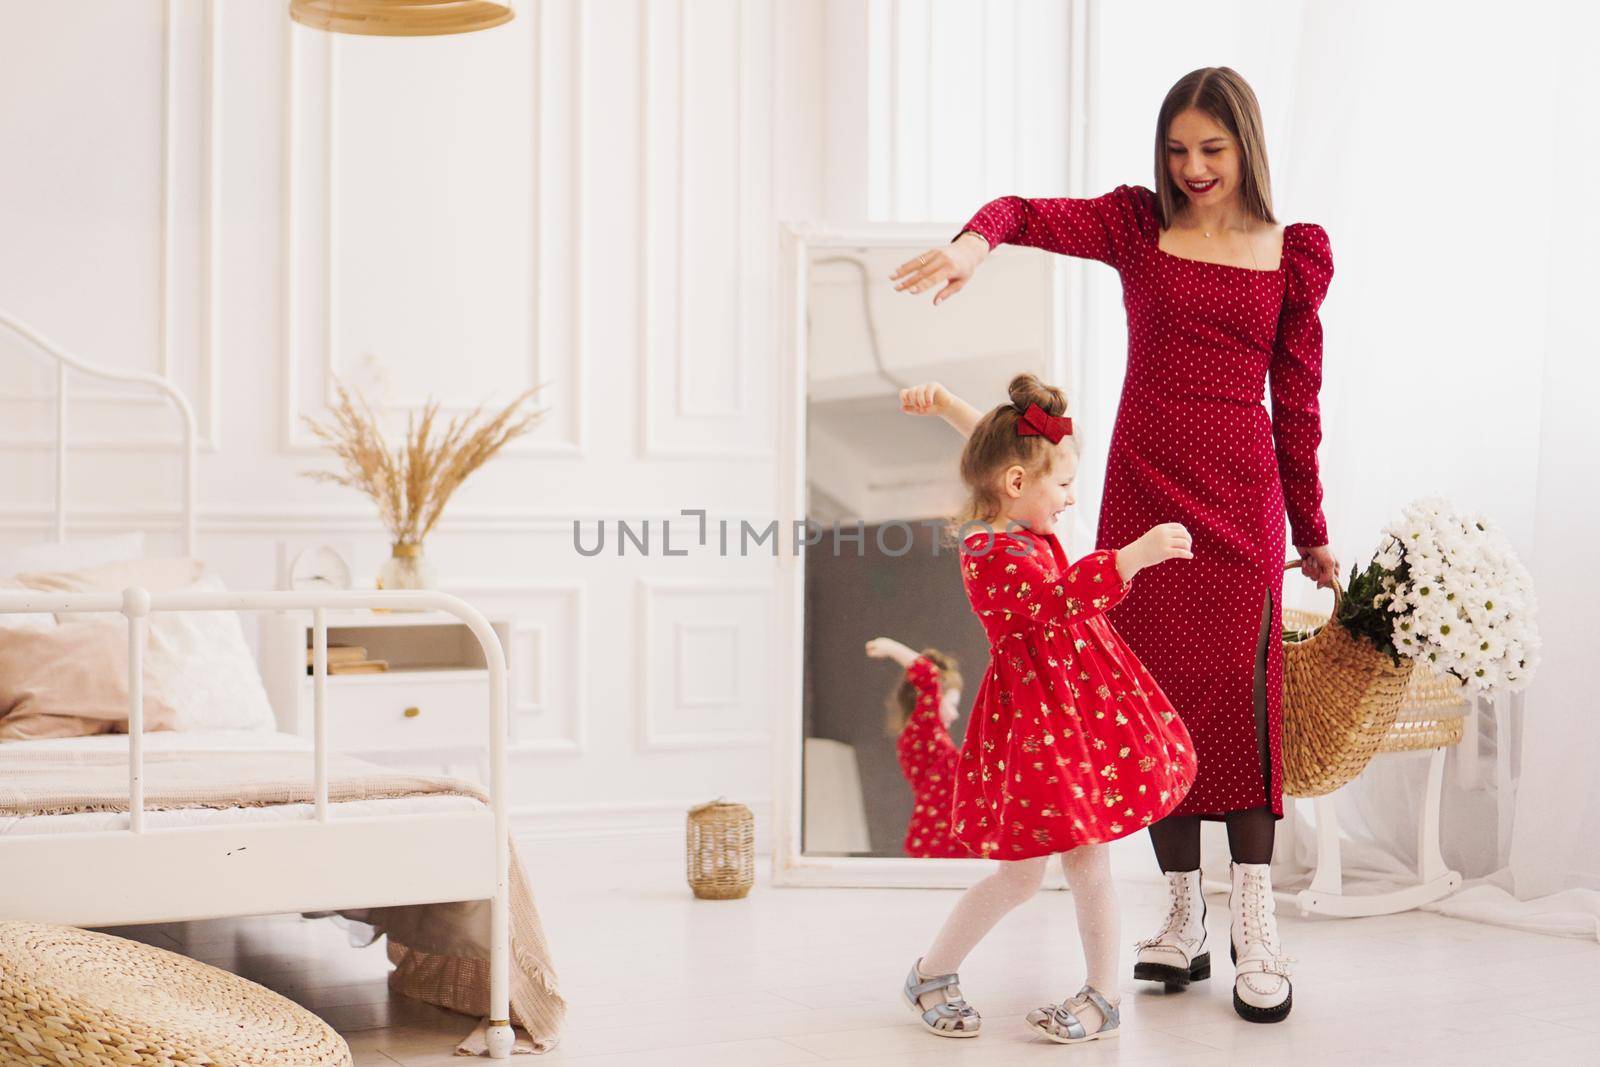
x: 655, y: 977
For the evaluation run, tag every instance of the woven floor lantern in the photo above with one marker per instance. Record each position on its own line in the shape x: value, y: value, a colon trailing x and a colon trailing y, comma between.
x: 70, y: 996
x: 720, y: 850
x: 400, y: 18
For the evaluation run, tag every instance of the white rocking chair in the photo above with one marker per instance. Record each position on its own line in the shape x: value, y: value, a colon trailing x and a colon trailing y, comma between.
x: 1436, y: 716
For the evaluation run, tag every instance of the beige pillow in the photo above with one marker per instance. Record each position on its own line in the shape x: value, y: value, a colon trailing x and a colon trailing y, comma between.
x: 70, y: 680
x: 198, y: 663
x: 156, y: 575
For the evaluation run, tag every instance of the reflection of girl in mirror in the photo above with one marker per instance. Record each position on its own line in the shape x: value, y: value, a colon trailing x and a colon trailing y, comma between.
x: 921, y: 709
x: 1071, y: 743
x: 1222, y: 307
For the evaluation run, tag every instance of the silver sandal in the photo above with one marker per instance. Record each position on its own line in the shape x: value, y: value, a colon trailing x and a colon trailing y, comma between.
x: 1059, y: 1024
x: 954, y: 1018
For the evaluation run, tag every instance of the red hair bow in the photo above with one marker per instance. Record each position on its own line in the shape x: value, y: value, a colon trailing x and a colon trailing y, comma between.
x: 1036, y: 422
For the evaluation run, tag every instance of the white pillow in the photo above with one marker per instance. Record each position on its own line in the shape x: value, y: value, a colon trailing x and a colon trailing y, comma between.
x: 77, y: 555
x: 200, y: 661
x: 197, y: 661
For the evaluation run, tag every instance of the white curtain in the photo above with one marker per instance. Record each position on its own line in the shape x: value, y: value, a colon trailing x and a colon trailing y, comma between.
x: 1449, y: 150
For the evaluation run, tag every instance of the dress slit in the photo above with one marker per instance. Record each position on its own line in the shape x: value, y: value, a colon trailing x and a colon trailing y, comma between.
x: 1259, y: 694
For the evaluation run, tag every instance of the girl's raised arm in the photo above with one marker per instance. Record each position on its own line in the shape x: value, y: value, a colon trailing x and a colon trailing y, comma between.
x: 931, y: 398
x: 889, y: 648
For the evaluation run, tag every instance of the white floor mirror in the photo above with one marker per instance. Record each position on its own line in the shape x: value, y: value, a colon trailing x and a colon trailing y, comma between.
x: 849, y: 461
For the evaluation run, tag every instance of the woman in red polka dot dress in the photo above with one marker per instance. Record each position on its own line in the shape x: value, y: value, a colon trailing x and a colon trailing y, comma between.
x: 922, y: 707
x: 1222, y: 309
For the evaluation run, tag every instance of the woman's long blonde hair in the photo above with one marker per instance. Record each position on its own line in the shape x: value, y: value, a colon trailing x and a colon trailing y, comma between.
x: 1224, y: 95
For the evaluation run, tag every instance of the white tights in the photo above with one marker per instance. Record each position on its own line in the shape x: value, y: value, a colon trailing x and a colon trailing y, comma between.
x: 1088, y: 871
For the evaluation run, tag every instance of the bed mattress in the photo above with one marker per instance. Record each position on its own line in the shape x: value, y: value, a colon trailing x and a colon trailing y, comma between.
x: 201, y: 742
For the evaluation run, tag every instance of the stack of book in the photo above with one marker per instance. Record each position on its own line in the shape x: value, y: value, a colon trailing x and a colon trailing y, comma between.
x: 348, y: 659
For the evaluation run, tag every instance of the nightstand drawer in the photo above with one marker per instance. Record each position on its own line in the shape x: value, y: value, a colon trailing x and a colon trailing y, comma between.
x: 387, y: 713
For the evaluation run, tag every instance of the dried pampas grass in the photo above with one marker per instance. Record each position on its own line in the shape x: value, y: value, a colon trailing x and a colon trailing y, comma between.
x: 412, y: 483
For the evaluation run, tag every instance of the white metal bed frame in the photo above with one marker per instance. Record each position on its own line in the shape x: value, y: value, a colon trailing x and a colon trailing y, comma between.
x: 290, y: 865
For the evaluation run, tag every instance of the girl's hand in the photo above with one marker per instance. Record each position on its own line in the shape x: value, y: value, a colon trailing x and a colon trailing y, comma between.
x: 929, y: 398
x: 953, y: 265
x: 1318, y: 564
x: 1170, y: 540
x: 889, y: 648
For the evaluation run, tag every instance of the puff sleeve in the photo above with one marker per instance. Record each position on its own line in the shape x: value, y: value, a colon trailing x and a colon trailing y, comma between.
x: 1295, y: 378
x: 1102, y: 227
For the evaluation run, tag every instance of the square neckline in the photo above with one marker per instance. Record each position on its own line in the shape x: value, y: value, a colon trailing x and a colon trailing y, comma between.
x: 1282, y: 255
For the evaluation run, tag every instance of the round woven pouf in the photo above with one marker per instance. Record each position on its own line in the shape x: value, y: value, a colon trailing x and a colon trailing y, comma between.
x: 70, y: 996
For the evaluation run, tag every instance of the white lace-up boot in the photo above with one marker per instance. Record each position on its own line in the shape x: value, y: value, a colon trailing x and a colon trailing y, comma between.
x: 1261, y: 989
x: 1177, y: 955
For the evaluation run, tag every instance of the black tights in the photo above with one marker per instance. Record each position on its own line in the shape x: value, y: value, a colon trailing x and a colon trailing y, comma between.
x: 1177, y: 838
x: 1250, y: 833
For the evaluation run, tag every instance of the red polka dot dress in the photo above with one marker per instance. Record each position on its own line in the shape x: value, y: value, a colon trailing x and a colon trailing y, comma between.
x: 1071, y: 742
x: 928, y: 760
x: 1193, y: 443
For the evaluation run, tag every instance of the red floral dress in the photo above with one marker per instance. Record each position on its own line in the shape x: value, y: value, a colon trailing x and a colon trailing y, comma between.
x: 928, y: 760
x: 1193, y: 443
x: 1071, y: 742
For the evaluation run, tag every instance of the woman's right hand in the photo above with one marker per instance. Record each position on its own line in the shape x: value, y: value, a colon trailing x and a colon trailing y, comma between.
x: 1170, y: 540
x: 953, y: 265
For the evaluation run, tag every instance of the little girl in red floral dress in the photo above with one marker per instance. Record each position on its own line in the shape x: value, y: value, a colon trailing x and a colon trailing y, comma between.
x: 922, y: 707
x: 1071, y: 744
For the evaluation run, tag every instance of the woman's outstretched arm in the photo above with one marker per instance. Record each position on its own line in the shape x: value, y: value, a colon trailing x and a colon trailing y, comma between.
x: 1101, y: 228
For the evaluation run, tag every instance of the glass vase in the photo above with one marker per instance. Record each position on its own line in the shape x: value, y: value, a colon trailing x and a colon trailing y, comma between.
x: 406, y: 568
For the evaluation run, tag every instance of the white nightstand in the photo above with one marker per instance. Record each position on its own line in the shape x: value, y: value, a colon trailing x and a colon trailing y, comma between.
x: 429, y: 710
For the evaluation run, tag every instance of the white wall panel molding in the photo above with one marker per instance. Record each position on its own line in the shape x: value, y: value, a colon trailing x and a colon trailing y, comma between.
x: 191, y: 36
x: 314, y: 249
x: 548, y: 658
x: 705, y: 645
x: 705, y: 229
x: 947, y: 124
x: 268, y: 520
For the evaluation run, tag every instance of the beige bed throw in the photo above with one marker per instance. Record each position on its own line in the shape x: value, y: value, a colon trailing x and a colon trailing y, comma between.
x: 440, y: 951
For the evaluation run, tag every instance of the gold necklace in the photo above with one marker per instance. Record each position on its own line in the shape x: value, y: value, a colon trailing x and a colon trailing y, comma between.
x: 1249, y: 247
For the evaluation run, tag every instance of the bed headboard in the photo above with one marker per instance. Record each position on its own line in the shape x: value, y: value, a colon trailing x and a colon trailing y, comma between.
x: 66, y: 362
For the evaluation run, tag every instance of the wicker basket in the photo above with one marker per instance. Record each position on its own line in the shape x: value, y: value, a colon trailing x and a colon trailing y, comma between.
x: 1340, y: 698
x: 720, y: 850
x: 70, y: 996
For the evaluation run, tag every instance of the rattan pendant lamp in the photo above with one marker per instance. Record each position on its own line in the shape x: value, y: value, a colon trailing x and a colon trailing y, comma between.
x: 400, y: 18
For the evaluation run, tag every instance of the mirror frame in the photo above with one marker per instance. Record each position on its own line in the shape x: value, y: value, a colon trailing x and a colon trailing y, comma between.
x: 791, y: 866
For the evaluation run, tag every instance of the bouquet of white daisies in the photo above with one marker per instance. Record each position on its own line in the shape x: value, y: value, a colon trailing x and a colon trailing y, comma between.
x: 1446, y: 590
